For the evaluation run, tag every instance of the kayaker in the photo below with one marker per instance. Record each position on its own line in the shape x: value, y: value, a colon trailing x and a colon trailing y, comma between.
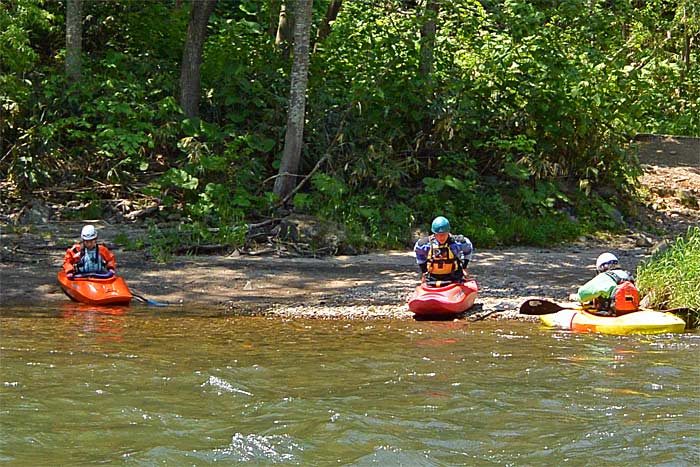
x: 88, y: 257
x: 442, y: 257
x: 612, y: 290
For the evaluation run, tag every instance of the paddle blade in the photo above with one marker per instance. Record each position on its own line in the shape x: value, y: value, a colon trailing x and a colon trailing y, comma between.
x: 147, y: 301
x: 539, y: 307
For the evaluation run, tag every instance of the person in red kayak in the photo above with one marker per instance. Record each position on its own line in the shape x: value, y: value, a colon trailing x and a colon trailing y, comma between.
x: 87, y: 257
x: 612, y: 290
x: 442, y: 257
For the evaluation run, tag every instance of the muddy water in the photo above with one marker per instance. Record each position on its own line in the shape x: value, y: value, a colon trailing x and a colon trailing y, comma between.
x: 145, y: 386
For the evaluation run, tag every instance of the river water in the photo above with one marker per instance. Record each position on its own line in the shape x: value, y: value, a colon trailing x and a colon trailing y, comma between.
x: 144, y: 386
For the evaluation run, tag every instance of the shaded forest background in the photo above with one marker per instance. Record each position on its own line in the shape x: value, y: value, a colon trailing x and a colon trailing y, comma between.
x: 209, y: 119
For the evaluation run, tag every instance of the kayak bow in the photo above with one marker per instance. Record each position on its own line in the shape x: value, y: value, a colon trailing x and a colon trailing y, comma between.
x: 451, y: 299
x: 95, y: 290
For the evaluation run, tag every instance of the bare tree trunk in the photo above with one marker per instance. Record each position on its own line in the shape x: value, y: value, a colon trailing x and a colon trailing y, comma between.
x: 275, y: 6
x: 325, y: 28
x: 285, y: 28
x: 427, y: 40
x: 426, y: 68
x: 74, y: 39
x: 686, y: 41
x: 190, y: 78
x: 294, y: 137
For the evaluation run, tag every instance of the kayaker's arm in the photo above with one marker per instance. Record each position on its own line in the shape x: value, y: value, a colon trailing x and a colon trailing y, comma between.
x: 600, y: 285
x: 465, y: 252
x: 421, y: 251
x: 109, y: 258
x: 70, y: 259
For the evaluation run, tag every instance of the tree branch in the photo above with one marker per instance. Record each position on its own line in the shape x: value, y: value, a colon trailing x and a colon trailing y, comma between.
x: 325, y: 157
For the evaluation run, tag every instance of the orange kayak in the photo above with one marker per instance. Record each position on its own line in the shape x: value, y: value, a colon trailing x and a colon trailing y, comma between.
x: 451, y: 299
x: 95, y: 290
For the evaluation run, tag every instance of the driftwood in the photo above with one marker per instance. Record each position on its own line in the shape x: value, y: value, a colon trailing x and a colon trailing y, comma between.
x: 202, y: 249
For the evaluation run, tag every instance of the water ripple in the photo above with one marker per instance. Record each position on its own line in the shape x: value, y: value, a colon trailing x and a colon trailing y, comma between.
x: 256, y: 448
x: 224, y: 386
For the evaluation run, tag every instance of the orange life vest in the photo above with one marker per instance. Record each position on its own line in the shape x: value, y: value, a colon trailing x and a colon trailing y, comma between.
x: 625, y: 297
x: 441, y: 259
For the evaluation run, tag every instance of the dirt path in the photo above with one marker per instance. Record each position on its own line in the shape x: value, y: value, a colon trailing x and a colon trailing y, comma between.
x: 365, y: 286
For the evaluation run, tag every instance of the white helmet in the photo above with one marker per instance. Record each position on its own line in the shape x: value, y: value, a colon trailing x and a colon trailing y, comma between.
x: 88, y: 233
x: 605, y: 261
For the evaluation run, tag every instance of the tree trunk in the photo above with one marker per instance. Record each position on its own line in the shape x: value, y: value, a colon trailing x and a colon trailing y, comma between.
x: 686, y: 41
x: 427, y: 40
x: 74, y: 39
x: 190, y: 79
x: 325, y: 28
x: 275, y: 6
x: 294, y: 136
x: 426, y: 68
x: 285, y: 28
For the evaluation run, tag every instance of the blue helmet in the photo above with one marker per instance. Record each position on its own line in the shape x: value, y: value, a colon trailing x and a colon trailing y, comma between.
x: 440, y: 225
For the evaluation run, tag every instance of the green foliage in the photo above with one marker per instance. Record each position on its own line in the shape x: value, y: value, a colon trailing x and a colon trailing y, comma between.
x: 672, y: 277
x: 124, y: 240
x: 368, y: 221
x: 163, y: 240
x: 523, y: 125
x: 491, y: 217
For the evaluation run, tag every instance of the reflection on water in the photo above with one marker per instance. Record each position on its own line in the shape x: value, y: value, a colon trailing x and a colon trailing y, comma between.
x: 138, y: 386
x: 102, y: 323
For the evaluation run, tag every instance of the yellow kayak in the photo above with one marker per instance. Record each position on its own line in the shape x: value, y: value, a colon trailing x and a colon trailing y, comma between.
x: 638, y: 322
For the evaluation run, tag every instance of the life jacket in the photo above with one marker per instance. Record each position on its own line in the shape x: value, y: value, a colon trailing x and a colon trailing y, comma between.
x: 85, y: 263
x: 623, y: 299
x: 441, y: 258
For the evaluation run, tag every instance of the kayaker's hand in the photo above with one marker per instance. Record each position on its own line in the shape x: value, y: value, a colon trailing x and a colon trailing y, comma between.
x: 110, y: 272
x: 69, y: 276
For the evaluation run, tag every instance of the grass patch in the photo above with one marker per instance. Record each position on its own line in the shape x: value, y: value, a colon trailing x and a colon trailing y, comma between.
x: 672, y: 277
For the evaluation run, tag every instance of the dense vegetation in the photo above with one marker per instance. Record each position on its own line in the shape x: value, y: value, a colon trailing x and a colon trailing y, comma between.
x: 514, y: 119
x: 672, y: 277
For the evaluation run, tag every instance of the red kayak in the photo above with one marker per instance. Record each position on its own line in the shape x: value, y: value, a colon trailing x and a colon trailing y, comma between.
x: 96, y: 289
x: 449, y: 300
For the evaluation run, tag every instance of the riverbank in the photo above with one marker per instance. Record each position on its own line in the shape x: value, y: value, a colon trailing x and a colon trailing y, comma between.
x: 350, y: 287
x: 368, y: 286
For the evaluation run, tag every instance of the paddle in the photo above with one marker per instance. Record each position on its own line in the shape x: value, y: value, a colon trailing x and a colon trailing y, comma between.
x: 148, y: 301
x: 536, y: 306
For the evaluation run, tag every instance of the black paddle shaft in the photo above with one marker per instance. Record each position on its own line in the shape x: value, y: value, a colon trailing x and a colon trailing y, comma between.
x: 536, y: 306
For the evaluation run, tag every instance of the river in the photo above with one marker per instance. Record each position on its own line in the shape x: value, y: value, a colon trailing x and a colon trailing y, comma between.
x: 145, y: 386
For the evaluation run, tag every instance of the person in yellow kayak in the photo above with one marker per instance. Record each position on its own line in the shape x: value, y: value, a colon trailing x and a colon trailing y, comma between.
x: 443, y: 258
x: 612, y: 291
x: 87, y: 257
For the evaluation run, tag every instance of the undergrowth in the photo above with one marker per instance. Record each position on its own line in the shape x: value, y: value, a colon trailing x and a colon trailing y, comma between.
x: 672, y: 276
